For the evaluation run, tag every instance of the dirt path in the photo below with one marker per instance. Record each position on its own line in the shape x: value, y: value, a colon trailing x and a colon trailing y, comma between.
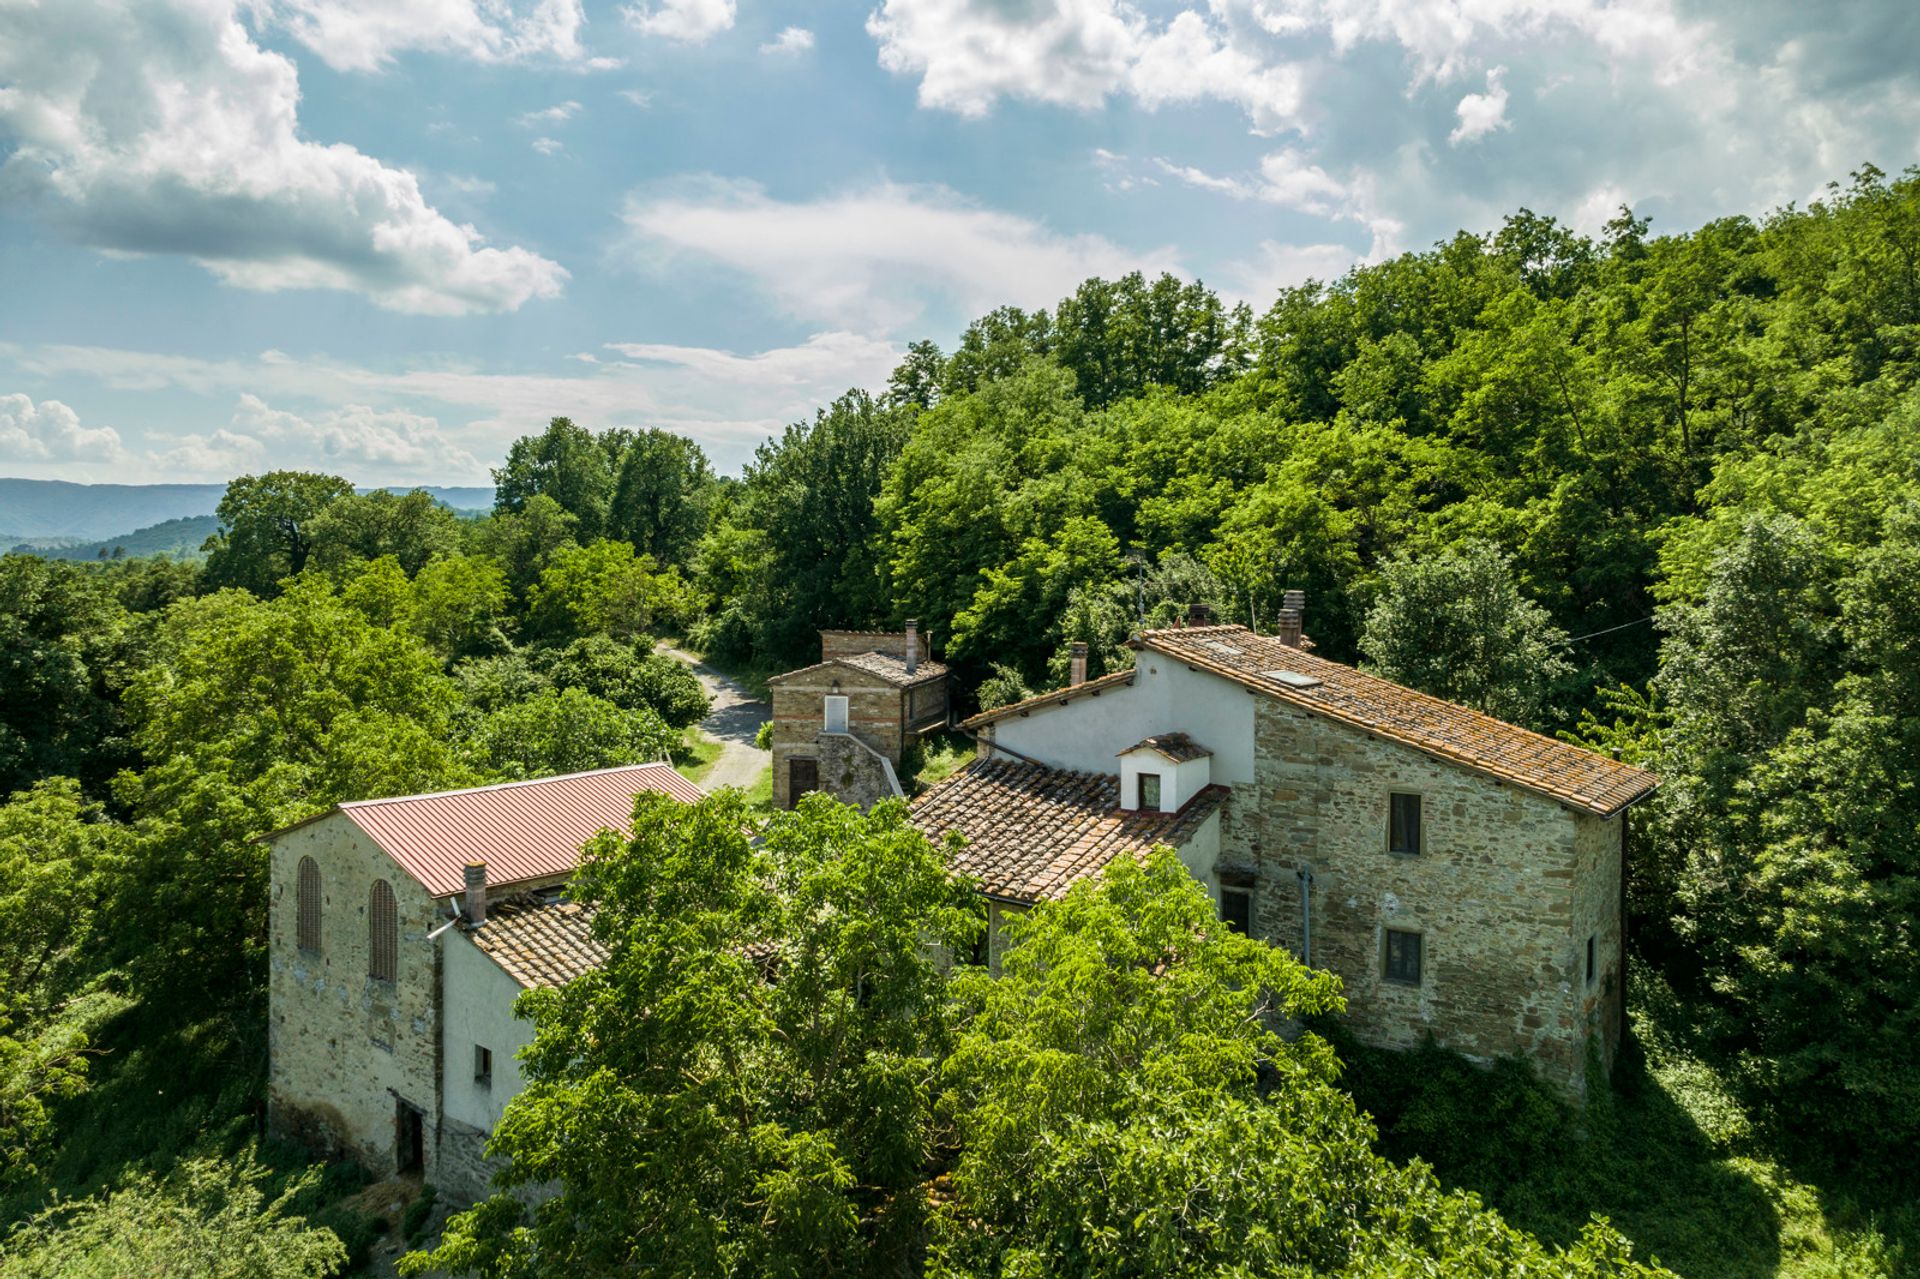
x: 732, y: 722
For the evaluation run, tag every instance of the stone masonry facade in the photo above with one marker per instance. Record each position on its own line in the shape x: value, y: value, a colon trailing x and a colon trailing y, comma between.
x: 1506, y: 889
x: 349, y: 1052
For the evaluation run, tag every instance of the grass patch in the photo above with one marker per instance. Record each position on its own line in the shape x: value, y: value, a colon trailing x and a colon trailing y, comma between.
x: 696, y: 755
x: 760, y: 794
x: 937, y: 758
x: 1666, y: 1152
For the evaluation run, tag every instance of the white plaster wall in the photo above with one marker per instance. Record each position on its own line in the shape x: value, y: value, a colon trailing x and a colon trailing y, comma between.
x: 1178, y: 782
x: 1201, y: 855
x: 1089, y: 732
x: 479, y: 1010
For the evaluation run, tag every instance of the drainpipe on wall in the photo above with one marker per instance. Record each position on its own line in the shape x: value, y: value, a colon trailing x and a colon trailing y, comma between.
x: 1305, y: 875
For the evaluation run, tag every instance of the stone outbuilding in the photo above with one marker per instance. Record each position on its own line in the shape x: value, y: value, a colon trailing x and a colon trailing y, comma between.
x: 846, y: 723
x: 1462, y: 876
x: 401, y: 931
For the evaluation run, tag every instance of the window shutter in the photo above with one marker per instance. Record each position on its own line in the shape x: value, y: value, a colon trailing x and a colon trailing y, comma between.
x: 307, y: 906
x: 383, y: 932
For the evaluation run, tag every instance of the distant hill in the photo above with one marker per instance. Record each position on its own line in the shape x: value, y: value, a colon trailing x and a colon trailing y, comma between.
x: 176, y: 539
x: 35, y: 509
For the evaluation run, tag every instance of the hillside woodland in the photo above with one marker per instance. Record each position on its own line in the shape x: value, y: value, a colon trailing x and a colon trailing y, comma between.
x: 1657, y: 493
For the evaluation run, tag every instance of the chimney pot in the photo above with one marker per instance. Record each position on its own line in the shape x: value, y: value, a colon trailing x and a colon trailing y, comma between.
x: 476, y: 892
x: 1199, y: 615
x: 1077, y: 663
x: 1288, y: 630
x: 913, y: 645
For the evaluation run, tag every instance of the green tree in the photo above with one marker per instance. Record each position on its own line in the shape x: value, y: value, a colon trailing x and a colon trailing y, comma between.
x: 266, y: 527
x: 604, y: 588
x: 567, y: 463
x: 54, y: 851
x: 460, y: 605
x: 1455, y: 625
x: 629, y: 676
x: 67, y: 649
x: 210, y: 1219
x: 661, y: 494
x: 800, y: 550
x: 569, y: 731
x: 1122, y: 1106
x: 745, y: 1126
x: 524, y: 541
x: 411, y: 527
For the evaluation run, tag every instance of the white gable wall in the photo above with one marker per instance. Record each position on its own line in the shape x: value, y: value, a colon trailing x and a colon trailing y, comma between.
x: 1089, y: 732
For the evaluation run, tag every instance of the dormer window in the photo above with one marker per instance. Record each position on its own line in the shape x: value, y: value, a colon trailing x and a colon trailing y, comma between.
x: 1149, y: 795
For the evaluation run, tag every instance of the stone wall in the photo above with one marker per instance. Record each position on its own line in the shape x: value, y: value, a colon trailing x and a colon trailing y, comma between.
x: 346, y: 1051
x: 852, y: 643
x: 853, y: 772
x: 874, y: 715
x: 1597, y: 884
x: 1491, y: 893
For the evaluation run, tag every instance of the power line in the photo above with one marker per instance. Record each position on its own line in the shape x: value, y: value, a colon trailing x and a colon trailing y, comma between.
x: 1638, y: 621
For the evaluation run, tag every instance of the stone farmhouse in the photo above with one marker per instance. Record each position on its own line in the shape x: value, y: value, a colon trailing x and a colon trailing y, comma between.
x: 1463, y: 877
x: 400, y: 933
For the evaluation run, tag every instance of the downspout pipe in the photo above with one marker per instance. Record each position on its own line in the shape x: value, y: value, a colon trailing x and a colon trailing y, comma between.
x: 1305, y: 875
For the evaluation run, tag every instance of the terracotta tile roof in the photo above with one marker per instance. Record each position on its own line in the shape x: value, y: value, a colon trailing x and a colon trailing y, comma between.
x: 888, y: 667
x: 1058, y: 697
x: 1566, y: 772
x: 540, y: 943
x: 1032, y: 832
x: 522, y: 830
x: 1177, y: 747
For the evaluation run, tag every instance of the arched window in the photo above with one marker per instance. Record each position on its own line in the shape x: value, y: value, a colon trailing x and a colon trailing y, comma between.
x: 383, y: 932
x: 306, y: 929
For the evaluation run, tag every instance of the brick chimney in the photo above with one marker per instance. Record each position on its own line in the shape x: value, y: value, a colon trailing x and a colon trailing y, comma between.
x: 1199, y: 615
x: 1076, y: 663
x: 476, y: 892
x: 912, y: 654
x: 1293, y: 617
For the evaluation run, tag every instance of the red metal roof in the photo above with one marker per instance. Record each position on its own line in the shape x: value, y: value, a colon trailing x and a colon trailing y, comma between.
x: 521, y: 830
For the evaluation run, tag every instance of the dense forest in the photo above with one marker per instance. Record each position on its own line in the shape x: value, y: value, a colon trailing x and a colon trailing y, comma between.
x: 1657, y: 493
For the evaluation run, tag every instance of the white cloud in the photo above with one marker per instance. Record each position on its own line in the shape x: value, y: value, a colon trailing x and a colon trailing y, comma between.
x: 51, y: 432
x: 548, y: 146
x: 356, y: 438
x: 1235, y: 187
x: 1275, y: 266
x: 639, y: 97
x: 689, y: 21
x: 364, y: 35
x: 217, y: 455
x: 1078, y: 53
x: 432, y: 422
x: 164, y: 129
x: 792, y: 40
x: 558, y: 113
x: 875, y: 259
x: 1481, y: 113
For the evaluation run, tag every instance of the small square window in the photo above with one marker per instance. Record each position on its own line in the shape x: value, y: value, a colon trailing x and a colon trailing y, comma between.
x: 483, y: 1066
x: 1403, y: 823
x: 1592, y: 968
x: 1403, y: 957
x: 1236, y: 910
x: 1149, y: 792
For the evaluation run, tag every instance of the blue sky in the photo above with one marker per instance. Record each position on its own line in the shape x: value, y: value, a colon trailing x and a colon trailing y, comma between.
x: 386, y: 238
